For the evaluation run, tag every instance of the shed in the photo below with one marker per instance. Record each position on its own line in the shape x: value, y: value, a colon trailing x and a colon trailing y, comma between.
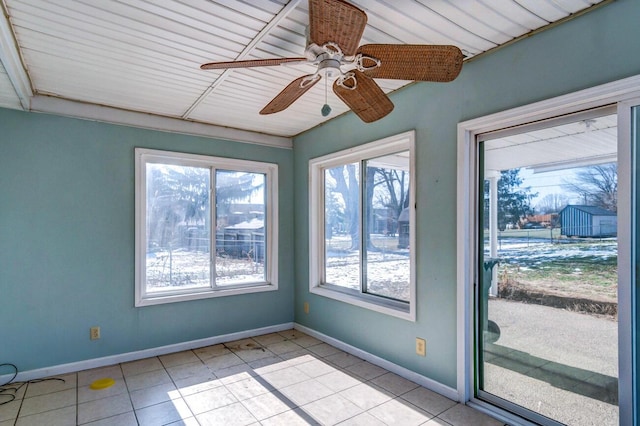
x: 243, y: 239
x: 588, y: 221
x: 403, y: 228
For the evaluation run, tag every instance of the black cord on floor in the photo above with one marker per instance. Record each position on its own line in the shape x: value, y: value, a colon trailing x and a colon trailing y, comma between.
x: 15, y: 372
x: 10, y: 389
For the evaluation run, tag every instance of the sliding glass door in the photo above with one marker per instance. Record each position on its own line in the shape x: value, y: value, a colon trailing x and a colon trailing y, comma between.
x: 546, y: 302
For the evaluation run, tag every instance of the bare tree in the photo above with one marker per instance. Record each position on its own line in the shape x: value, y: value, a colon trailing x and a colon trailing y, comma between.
x: 596, y: 185
x: 346, y: 178
x: 552, y: 203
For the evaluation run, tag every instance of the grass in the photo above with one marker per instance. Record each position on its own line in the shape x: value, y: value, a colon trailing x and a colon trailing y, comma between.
x: 586, y: 269
x: 598, y: 272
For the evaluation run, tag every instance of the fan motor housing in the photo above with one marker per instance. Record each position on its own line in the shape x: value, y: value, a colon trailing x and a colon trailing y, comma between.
x: 330, y: 68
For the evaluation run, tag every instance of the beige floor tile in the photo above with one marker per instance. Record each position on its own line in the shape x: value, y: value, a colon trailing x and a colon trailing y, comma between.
x: 191, y: 421
x: 13, y: 391
x: 284, y: 347
x: 209, y: 352
x: 286, y: 377
x: 242, y: 344
x: 298, y: 357
x: 9, y: 411
x: 235, y: 373
x: 47, y: 402
x: 401, y: 413
x: 104, y: 408
x: 316, y: 368
x: 154, y: 395
x: 332, y: 409
x: 52, y: 384
x: 342, y: 359
x: 223, y: 361
x: 269, y: 339
x: 230, y: 415
x: 268, y: 405
x: 292, y: 334
x: 296, y: 417
x: 164, y: 413
x: 437, y: 422
x: 367, y: 396
x: 86, y: 377
x: 364, y: 419
x: 324, y: 349
x: 338, y: 381
x: 249, y: 388
x: 124, y: 419
x: 250, y: 355
x: 267, y: 364
x: 428, y: 400
x: 60, y: 417
x: 147, y: 380
x: 178, y: 358
x: 195, y: 384
x: 366, y: 370
x: 305, y: 392
x: 210, y: 400
x: 305, y: 341
x: 86, y: 394
x: 394, y: 383
x: 146, y: 365
x: 190, y: 369
x: 461, y: 415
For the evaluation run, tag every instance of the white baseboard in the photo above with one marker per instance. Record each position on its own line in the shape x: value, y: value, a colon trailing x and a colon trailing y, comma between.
x: 72, y: 367
x: 57, y: 370
x: 426, y: 382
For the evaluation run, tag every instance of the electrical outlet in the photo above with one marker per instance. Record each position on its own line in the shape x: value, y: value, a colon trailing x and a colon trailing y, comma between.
x: 306, y: 307
x: 94, y: 333
x: 421, y: 347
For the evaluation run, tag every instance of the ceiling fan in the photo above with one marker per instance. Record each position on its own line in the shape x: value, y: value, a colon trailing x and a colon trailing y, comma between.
x: 333, y: 37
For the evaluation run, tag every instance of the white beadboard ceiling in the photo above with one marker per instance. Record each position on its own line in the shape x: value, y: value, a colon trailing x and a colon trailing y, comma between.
x: 585, y: 141
x: 105, y: 58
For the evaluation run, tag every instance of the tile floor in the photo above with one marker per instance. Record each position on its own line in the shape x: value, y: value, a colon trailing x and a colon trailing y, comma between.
x: 285, y: 378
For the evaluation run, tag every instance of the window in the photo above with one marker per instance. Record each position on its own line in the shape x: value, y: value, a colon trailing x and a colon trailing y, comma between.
x: 361, y: 226
x: 190, y: 247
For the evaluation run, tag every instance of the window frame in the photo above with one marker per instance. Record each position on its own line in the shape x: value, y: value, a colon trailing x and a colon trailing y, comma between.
x: 144, y: 156
x: 317, y: 167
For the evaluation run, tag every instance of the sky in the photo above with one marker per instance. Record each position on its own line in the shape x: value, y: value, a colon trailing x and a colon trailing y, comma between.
x: 547, y: 183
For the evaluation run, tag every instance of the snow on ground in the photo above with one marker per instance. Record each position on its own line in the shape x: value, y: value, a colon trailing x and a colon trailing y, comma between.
x: 536, y: 251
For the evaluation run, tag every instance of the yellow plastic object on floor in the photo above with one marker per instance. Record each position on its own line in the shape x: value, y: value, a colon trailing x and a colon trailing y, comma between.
x: 102, y: 383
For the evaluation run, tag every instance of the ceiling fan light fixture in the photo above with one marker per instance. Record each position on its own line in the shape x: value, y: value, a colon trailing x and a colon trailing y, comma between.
x: 333, y: 36
x: 330, y: 68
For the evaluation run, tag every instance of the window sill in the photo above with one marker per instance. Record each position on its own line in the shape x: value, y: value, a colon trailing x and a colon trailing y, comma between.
x: 150, y: 300
x: 367, y: 302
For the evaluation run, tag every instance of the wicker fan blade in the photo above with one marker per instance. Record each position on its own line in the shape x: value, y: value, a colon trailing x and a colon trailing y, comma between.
x: 289, y: 95
x: 249, y: 63
x: 439, y: 63
x: 367, y: 100
x: 336, y: 21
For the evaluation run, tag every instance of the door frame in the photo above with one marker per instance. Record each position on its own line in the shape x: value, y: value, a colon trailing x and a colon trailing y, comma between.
x: 623, y: 93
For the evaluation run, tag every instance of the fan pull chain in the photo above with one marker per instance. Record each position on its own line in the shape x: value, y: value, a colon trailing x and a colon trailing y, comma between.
x: 326, y: 109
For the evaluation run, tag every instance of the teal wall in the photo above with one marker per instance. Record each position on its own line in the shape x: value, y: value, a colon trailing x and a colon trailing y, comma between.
x: 593, y: 49
x: 67, y: 244
x: 67, y: 212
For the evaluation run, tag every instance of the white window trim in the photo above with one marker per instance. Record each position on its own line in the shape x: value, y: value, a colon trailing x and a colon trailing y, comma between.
x: 619, y: 92
x: 142, y: 156
x: 402, y: 142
